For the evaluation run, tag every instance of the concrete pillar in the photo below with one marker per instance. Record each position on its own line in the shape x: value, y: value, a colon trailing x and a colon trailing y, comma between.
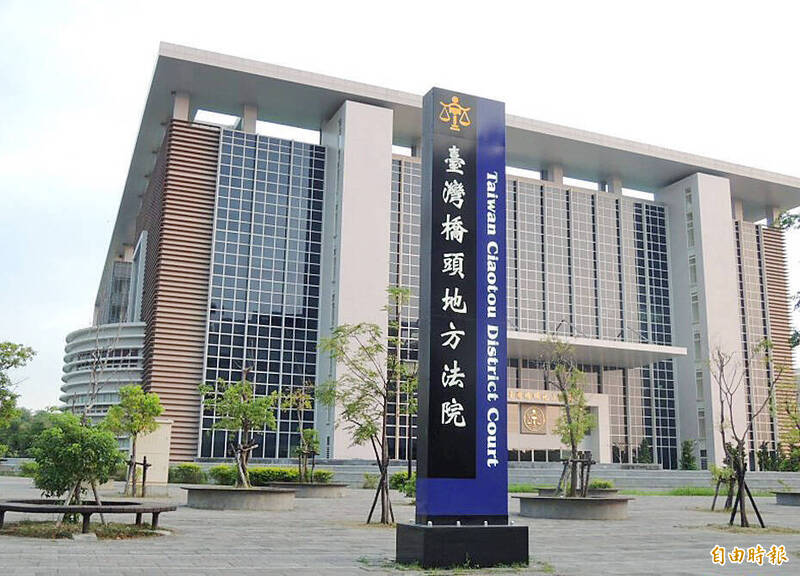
x: 416, y: 149
x: 612, y: 185
x: 554, y: 173
x: 180, y: 106
x: 249, y: 117
x: 773, y: 214
x: 738, y: 209
x: 355, y: 256
x: 717, y: 286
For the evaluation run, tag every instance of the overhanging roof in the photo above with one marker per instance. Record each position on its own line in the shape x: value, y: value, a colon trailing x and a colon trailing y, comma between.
x: 594, y: 352
x: 287, y: 96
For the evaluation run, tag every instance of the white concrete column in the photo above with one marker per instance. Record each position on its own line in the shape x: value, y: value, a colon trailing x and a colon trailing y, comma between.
x: 738, y: 209
x: 773, y: 214
x: 355, y: 258
x: 249, y: 117
x: 554, y: 173
x: 416, y: 149
x: 612, y: 185
x: 180, y: 106
x: 717, y: 287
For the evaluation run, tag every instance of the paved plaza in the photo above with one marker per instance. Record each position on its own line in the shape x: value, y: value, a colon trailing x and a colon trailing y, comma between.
x: 664, y: 535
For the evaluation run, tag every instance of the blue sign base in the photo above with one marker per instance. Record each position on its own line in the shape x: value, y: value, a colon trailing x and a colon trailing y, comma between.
x: 452, y: 546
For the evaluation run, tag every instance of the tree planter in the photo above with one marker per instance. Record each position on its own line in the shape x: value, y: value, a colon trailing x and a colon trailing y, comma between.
x: 307, y: 490
x: 592, y: 492
x: 610, y: 508
x: 230, y: 498
x: 787, y: 498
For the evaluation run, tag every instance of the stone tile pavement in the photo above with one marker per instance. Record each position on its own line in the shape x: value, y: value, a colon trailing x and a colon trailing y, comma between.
x: 664, y: 536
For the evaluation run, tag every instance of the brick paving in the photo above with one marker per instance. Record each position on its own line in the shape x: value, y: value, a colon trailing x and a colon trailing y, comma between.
x: 665, y: 536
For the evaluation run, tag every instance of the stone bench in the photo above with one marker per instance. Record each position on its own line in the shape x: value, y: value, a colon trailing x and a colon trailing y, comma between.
x: 787, y: 498
x: 86, y: 510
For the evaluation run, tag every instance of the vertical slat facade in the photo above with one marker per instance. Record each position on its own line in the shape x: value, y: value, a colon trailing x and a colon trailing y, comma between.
x: 178, y: 214
x: 779, y: 324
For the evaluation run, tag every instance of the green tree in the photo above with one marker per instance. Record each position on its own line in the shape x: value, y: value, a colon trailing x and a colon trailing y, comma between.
x: 237, y: 408
x: 301, y: 399
x: 11, y: 356
x: 405, y: 380
x: 688, y: 460
x: 23, y: 429
x: 729, y: 372
x: 70, y: 455
x: 135, y: 414
x: 645, y: 453
x: 561, y: 373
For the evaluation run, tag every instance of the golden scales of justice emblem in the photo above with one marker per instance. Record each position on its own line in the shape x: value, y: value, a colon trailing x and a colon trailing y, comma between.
x: 455, y: 113
x: 534, y: 420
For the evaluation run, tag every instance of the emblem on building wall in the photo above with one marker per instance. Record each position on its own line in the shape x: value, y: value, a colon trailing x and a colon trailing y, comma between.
x: 455, y: 113
x: 534, y: 420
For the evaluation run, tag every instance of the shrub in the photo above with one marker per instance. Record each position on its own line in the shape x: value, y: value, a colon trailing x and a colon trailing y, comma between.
x: 28, y: 469
x: 410, y: 486
x: 224, y: 474
x: 263, y: 475
x: 371, y: 480
x: 600, y: 484
x: 323, y: 476
x: 397, y: 480
x: 720, y: 473
x: 187, y: 473
x: 790, y: 462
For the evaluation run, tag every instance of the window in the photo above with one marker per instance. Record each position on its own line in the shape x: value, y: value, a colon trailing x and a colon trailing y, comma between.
x: 690, y: 229
x: 695, y: 308
x: 693, y: 270
x: 701, y: 422
x: 698, y: 377
x: 698, y: 349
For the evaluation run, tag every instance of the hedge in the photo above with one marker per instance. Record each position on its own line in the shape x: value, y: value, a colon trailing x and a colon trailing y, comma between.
x: 187, y: 473
x: 600, y: 484
x: 263, y: 475
x: 223, y: 474
x: 398, y: 480
x: 410, y: 486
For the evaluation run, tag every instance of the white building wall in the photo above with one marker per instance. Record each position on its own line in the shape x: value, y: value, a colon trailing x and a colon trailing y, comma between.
x: 355, y: 260
x: 717, y: 289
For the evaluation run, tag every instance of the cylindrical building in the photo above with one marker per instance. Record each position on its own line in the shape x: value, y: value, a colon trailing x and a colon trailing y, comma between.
x: 97, y: 361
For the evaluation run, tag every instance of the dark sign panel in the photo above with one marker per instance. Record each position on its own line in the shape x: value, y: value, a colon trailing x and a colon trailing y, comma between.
x: 462, y: 450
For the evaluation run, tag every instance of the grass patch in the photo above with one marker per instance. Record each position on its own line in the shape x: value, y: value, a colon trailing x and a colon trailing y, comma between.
x: 736, y: 529
x: 520, y: 488
x: 689, y: 491
x: 44, y: 529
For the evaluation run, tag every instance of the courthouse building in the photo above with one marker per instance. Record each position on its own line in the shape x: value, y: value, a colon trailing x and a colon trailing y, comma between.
x: 234, y: 247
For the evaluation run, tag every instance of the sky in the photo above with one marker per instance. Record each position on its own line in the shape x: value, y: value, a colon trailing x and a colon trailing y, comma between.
x: 713, y: 78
